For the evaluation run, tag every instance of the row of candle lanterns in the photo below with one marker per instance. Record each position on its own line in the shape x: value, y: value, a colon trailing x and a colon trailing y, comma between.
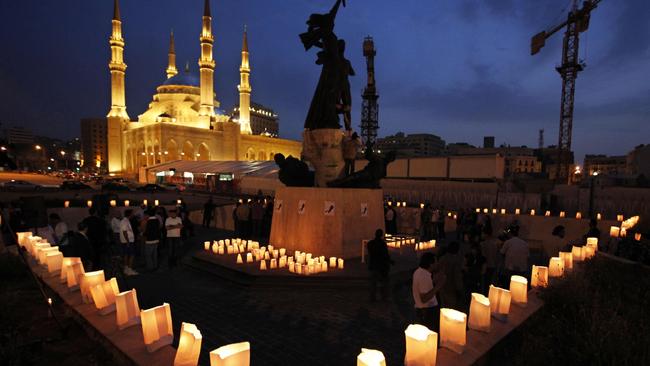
x: 127, y: 203
x: 271, y: 258
x: 621, y: 231
x: 547, y: 213
x: 156, y: 322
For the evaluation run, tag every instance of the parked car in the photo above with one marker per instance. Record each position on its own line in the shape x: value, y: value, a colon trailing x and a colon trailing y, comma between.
x: 74, y: 185
x: 114, y: 186
x: 21, y: 185
x: 151, y: 188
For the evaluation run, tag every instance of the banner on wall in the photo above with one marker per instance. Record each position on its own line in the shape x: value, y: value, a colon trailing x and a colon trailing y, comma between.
x: 302, y: 204
x: 330, y: 208
x: 278, y: 206
x: 364, y: 210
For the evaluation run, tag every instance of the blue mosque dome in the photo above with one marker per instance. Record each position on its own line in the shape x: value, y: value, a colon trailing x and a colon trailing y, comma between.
x: 183, y: 78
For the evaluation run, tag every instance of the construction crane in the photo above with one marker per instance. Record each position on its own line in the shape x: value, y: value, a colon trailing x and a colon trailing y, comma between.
x: 576, y: 23
x: 370, y: 108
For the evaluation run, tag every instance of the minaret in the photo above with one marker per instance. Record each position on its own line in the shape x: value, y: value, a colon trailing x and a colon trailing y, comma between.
x: 206, y: 64
x: 117, y: 67
x: 117, y: 117
x: 244, y: 89
x: 171, y: 67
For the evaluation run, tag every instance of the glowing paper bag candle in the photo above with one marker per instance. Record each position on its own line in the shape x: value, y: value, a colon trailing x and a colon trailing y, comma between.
x: 88, y: 280
x: 453, y: 324
x: 239, y: 259
x: 555, y: 267
x: 89, y: 203
x: 235, y: 354
x: 127, y: 309
x: 291, y: 267
x: 249, y: 257
x: 145, y: 202
x: 74, y: 274
x: 156, y: 202
x: 593, y: 242
x: 494, y: 211
x: 599, y: 217
x: 421, y: 346
x: 589, y: 252
x: 127, y: 203
x: 547, y: 213
x: 562, y: 214
x: 323, y: 266
x: 532, y: 212
x: 371, y: 357
x: 54, y: 262
x: 66, y: 204
x: 499, y: 302
x: 341, y: 263
x: 263, y: 265
x: 206, y: 245
x: 567, y: 258
x: 637, y: 236
x: 274, y: 263
x: 519, y: 290
x: 157, y: 327
x: 578, y: 215
x: 283, y: 252
x: 283, y: 261
x: 189, y: 346
x: 539, y: 276
x: 113, y: 203
x: 517, y: 211
x: 619, y: 217
x: 104, y: 296
x: 43, y: 252
x: 623, y: 232
x: 479, y: 313
x: 503, y: 211
x: 22, y: 237
x: 577, y: 254
x: 65, y: 265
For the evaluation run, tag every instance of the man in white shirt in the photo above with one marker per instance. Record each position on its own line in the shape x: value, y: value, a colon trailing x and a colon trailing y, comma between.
x: 115, y: 226
x: 173, y: 224
x: 127, y: 240
x: 424, y: 291
x: 516, y: 255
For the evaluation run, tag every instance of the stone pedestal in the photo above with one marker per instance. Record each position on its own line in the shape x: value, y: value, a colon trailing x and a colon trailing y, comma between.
x: 322, y: 148
x: 326, y: 221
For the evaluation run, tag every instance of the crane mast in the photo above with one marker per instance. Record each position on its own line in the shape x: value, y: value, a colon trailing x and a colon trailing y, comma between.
x: 370, y: 108
x: 577, y: 22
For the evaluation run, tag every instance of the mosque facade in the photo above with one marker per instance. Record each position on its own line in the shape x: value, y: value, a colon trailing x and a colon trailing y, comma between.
x: 183, y: 121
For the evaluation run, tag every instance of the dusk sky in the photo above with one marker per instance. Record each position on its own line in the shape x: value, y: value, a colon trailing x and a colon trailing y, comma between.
x: 460, y: 69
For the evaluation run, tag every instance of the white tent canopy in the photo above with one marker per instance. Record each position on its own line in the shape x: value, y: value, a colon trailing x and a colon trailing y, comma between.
x: 264, y: 169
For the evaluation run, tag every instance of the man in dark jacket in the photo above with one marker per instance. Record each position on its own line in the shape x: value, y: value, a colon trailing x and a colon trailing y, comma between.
x: 379, y: 265
x: 97, y: 236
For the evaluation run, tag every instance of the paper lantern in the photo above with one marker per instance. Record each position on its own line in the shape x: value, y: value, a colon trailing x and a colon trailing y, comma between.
x: 593, y: 242
x: 239, y: 259
x: 88, y: 280
x: 341, y: 263
x: 485, y: 210
x: 637, y: 236
x: 283, y: 252
x: 589, y: 252
x: 89, y: 203
x: 453, y: 324
x: 421, y: 346
x: 66, y: 204
x: 178, y: 202
x: 547, y: 213
x: 623, y: 232
x: 403, y: 204
x: 578, y: 215
x: 517, y: 211
x: 235, y: 354
x: 36, y: 247
x: 539, y: 276
x: 75, y: 271
x: 156, y: 202
x: 599, y: 217
x: 127, y: 309
x: 399, y: 204
x: 494, y: 211
x: 157, y: 327
x: 113, y: 203
x: 145, y: 202
x: 263, y: 265
x: 503, y: 211
x: 614, y: 231
x: 292, y: 268
x: 323, y: 266
x: 274, y: 263
x: 555, y: 267
x: 577, y: 254
x: 189, y: 346
x: 249, y: 257
x: 43, y: 252
x: 283, y: 261
x: 479, y: 313
x: 519, y: 290
x: 562, y: 214
x: 532, y: 212
x: 370, y: 357
x: 421, y: 205
x: 127, y: 203
x: 567, y: 258
x: 22, y: 237
x: 65, y: 264
x: 104, y: 296
x: 54, y: 262
x: 207, y: 245
x: 619, y: 217
x: 499, y: 302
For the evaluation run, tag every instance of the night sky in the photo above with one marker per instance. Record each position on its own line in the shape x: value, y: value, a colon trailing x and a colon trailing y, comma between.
x: 460, y: 69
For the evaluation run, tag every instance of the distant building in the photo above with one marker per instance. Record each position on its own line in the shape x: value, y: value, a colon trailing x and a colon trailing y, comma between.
x: 638, y: 161
x: 94, y: 144
x: 413, y: 145
x: 488, y: 141
x: 548, y: 156
x: 605, y: 165
x: 263, y: 120
x: 518, y: 159
x: 455, y: 147
x: 18, y: 135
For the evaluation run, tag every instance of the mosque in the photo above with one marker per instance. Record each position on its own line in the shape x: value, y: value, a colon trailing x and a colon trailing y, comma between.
x: 183, y: 121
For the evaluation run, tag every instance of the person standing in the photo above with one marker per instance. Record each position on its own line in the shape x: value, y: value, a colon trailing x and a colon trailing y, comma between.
x: 96, y: 235
x: 173, y: 224
x: 243, y: 218
x: 115, y: 226
x: 151, y: 241
x: 127, y: 240
x: 390, y: 218
x: 82, y: 248
x: 441, y: 223
x: 60, y: 227
x: 379, y: 266
x: 351, y: 146
x: 489, y: 250
x: 257, y: 216
x: 208, y: 210
x: 425, y: 223
x: 516, y: 256
x: 452, y: 265
x: 427, y: 282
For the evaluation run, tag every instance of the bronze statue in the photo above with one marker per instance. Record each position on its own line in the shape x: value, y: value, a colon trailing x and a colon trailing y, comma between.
x: 370, y: 176
x: 332, y: 94
x: 294, y: 172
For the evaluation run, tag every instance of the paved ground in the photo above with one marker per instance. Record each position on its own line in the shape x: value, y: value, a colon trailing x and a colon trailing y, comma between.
x: 30, y: 177
x: 285, y: 327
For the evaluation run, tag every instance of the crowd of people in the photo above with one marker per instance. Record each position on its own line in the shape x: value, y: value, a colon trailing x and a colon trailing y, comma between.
x: 251, y: 218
